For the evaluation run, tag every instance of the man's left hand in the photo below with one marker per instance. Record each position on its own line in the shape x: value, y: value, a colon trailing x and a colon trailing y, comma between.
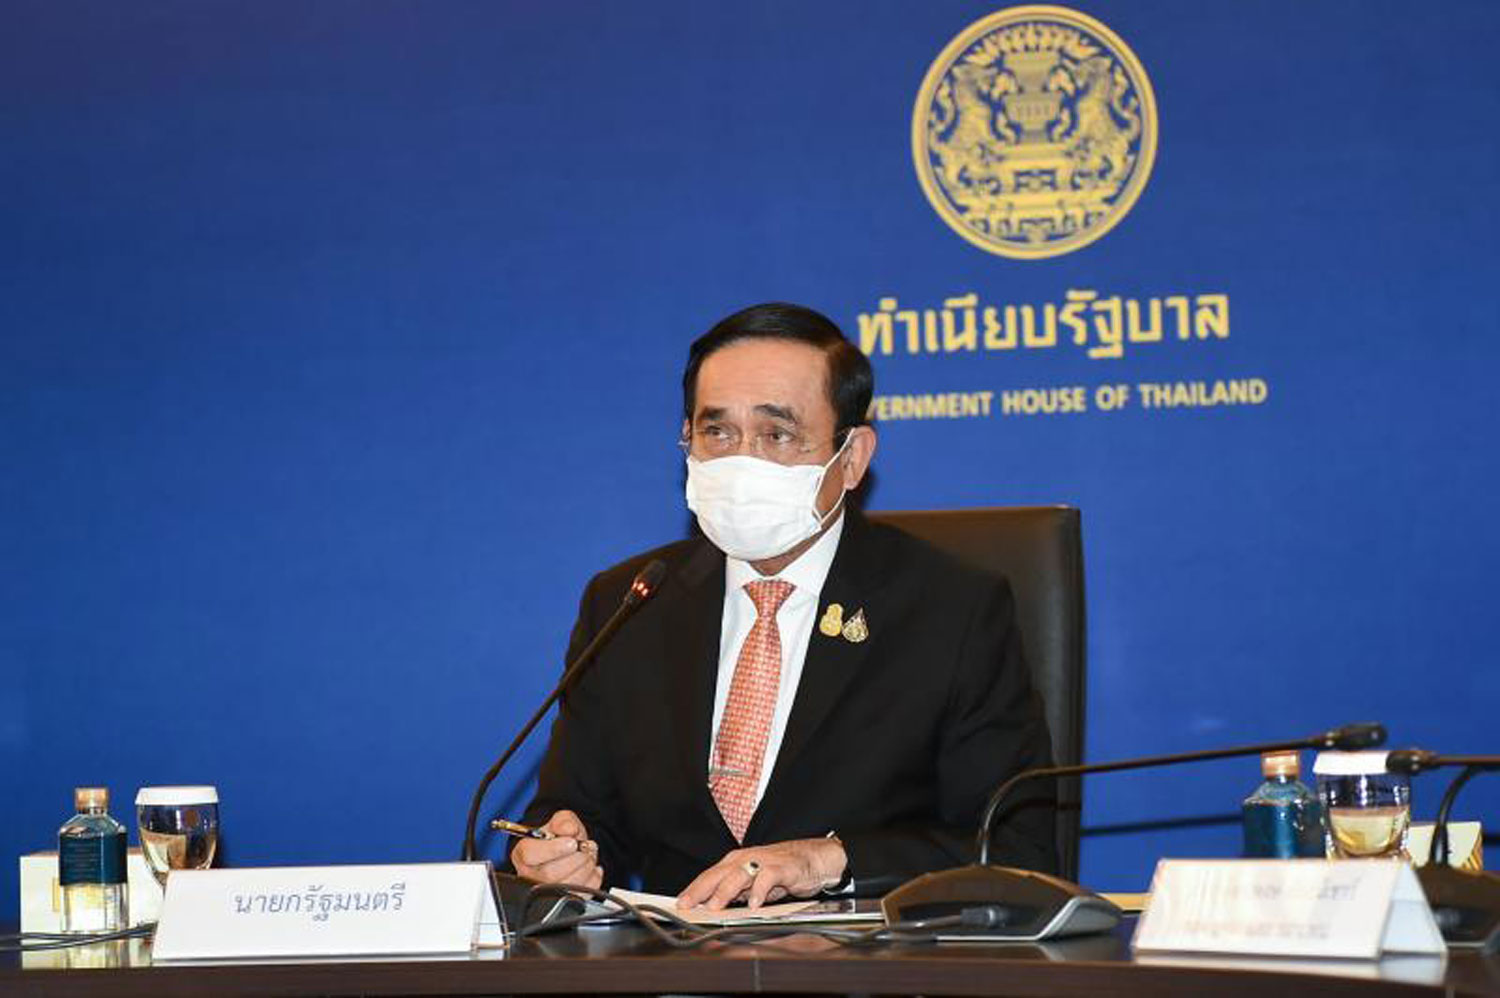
x: 796, y: 868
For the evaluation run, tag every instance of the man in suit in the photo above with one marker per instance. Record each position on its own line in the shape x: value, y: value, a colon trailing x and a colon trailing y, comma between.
x: 810, y: 702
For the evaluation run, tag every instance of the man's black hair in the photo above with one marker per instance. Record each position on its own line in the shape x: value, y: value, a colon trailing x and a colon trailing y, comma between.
x: 849, y: 379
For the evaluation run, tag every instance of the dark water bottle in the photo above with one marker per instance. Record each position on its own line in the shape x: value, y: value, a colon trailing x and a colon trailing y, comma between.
x: 1283, y: 819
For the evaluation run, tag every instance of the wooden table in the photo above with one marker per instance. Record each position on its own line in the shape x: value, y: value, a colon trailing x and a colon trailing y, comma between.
x: 629, y: 961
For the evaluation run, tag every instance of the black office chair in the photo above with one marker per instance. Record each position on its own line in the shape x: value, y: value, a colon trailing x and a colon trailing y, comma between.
x: 1040, y: 550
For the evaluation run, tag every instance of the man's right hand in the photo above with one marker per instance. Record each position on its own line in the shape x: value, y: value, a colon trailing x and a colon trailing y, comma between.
x: 569, y: 857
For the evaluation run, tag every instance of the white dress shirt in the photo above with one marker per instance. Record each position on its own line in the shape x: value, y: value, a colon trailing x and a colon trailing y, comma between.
x: 795, y: 620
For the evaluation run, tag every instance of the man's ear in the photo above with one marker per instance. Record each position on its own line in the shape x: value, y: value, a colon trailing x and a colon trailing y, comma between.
x: 858, y: 452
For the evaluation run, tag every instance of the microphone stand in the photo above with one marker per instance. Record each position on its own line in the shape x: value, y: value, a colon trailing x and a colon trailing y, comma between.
x: 1465, y: 903
x: 513, y: 893
x: 642, y: 588
x: 1006, y: 903
x: 1349, y: 738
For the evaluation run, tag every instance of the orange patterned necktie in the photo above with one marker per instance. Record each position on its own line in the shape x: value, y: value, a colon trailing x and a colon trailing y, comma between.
x: 740, y: 748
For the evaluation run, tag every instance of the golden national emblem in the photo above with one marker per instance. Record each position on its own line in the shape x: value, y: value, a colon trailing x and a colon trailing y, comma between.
x: 1034, y: 131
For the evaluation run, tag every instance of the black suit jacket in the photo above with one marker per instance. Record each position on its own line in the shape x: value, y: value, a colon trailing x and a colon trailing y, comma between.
x: 894, y: 742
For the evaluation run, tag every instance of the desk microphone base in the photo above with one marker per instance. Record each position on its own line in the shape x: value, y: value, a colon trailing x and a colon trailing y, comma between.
x: 1003, y: 904
x: 519, y: 910
x: 1466, y: 905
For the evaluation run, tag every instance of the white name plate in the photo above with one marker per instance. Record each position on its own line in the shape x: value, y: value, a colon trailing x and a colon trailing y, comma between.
x: 1356, y: 909
x: 310, y: 911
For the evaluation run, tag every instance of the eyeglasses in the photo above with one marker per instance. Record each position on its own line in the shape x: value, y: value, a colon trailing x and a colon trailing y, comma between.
x: 773, y: 443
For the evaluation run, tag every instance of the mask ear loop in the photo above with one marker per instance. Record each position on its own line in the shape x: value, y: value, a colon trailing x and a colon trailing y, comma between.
x: 825, y: 518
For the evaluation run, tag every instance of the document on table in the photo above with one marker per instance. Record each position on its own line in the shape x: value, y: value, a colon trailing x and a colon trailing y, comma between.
x: 839, y: 910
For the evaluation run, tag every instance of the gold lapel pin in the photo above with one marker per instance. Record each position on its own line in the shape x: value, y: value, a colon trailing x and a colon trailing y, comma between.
x: 833, y: 620
x: 856, y: 630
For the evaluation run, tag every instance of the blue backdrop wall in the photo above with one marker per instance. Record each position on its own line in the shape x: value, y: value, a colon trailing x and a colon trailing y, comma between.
x: 339, y: 345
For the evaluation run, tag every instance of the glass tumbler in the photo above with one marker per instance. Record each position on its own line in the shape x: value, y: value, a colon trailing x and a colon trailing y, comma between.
x: 1368, y: 810
x: 179, y: 828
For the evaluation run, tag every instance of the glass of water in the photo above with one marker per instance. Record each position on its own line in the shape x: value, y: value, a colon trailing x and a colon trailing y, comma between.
x: 1368, y: 810
x: 179, y: 828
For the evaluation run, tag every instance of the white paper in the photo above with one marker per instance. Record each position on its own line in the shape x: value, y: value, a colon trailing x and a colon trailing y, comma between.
x: 310, y: 911
x: 786, y: 911
x: 1355, y: 909
x: 1465, y: 844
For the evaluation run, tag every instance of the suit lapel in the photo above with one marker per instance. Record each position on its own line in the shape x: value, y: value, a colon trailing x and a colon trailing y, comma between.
x: 854, y: 581
x: 690, y: 639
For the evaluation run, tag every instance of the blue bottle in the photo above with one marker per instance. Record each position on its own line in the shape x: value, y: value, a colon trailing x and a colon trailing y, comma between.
x: 1283, y: 819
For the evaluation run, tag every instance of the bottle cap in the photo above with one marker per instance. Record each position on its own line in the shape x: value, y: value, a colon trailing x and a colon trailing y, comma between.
x: 1275, y: 764
x: 1350, y: 763
x: 176, y: 796
x: 85, y: 798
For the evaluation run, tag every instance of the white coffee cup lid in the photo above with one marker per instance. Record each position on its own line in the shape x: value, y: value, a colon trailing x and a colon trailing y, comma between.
x: 176, y: 796
x: 1349, y: 763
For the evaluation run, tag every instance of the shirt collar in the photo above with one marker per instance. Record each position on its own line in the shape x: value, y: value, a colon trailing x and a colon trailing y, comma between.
x: 807, y: 573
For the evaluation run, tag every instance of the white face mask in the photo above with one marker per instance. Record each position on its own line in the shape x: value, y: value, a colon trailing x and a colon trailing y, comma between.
x: 754, y: 509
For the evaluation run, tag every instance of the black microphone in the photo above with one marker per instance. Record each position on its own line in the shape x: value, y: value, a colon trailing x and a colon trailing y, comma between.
x: 1413, y: 761
x: 1465, y: 903
x: 1042, y: 906
x: 647, y: 581
x: 1349, y: 738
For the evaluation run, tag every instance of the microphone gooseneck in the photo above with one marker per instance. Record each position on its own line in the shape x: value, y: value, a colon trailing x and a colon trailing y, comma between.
x: 1437, y: 853
x: 1349, y: 737
x: 1465, y: 903
x: 1413, y: 761
x: 645, y: 584
x: 1005, y: 903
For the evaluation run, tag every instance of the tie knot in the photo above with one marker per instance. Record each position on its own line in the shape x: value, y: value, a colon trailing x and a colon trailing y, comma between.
x: 768, y: 595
